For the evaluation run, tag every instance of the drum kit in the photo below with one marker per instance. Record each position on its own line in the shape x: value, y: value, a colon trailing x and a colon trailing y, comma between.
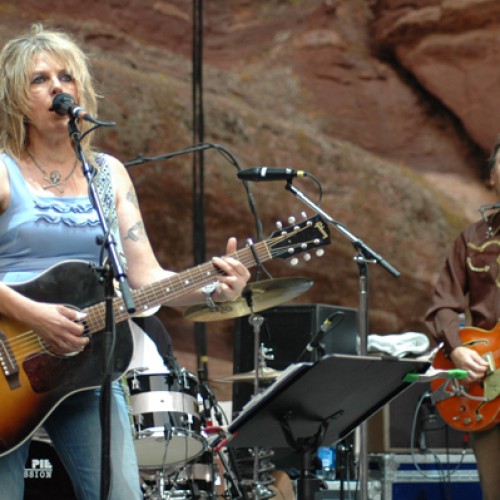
x: 182, y: 454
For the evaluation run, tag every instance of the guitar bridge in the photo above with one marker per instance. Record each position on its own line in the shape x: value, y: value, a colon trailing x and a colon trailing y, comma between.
x: 8, y: 363
x: 450, y: 389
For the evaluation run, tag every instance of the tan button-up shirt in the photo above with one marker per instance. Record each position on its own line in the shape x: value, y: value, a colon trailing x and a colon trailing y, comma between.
x: 469, y: 280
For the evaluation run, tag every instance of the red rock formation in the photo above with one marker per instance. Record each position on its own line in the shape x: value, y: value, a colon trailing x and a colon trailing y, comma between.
x: 387, y: 104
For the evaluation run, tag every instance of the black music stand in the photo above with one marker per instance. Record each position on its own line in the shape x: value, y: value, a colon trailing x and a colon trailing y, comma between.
x: 320, y: 403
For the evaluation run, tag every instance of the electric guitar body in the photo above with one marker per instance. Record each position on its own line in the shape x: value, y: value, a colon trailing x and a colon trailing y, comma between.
x: 471, y: 406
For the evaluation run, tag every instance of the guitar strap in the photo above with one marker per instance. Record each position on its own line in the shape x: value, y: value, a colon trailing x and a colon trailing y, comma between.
x: 104, y: 187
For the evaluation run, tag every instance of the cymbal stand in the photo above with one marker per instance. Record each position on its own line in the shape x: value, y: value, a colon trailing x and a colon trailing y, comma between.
x: 259, y: 490
x: 261, y: 355
x: 256, y: 321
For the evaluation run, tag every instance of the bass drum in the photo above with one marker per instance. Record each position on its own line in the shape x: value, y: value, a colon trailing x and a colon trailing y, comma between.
x: 45, y: 477
x: 167, y: 422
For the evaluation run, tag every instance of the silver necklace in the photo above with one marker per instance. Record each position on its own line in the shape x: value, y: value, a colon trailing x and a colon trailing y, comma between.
x: 54, y: 178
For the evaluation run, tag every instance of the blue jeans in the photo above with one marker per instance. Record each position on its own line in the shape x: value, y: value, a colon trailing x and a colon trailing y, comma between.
x: 75, y: 430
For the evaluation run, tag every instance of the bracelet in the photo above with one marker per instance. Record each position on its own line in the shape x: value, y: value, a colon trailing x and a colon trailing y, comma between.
x: 209, y: 291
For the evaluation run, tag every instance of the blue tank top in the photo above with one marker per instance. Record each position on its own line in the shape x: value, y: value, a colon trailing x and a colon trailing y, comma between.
x: 37, y: 232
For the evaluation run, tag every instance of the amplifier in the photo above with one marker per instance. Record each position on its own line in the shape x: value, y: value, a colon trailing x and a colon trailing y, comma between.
x: 287, y: 330
x: 399, y: 416
x: 45, y: 477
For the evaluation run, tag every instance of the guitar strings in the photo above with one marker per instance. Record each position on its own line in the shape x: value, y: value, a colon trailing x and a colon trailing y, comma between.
x: 30, y: 343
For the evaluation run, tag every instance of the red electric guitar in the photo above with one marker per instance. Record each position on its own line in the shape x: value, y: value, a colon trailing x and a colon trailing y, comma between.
x: 471, y: 406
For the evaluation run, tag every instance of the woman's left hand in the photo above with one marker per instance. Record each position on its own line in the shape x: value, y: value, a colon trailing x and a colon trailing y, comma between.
x: 235, y: 277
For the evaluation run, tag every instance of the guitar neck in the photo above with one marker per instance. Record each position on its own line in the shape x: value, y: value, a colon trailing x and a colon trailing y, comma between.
x: 311, y: 233
x: 171, y: 288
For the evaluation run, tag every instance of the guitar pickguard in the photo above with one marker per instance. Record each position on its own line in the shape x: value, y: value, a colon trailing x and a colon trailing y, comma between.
x: 492, y: 385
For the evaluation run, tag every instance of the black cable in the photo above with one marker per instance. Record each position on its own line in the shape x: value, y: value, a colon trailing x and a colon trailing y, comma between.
x: 198, y: 189
x: 226, y: 154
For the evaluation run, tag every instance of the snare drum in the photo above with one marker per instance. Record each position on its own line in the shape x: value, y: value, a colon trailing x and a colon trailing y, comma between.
x: 167, y: 422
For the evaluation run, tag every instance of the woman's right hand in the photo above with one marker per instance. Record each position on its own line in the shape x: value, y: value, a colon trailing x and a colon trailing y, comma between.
x: 467, y: 359
x: 59, y: 326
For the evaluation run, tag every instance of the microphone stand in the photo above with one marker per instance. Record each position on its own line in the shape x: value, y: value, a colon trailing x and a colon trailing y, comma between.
x: 111, y: 268
x: 364, y: 256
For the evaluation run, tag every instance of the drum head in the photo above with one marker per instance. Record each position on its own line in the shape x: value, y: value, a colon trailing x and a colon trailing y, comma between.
x: 155, y: 452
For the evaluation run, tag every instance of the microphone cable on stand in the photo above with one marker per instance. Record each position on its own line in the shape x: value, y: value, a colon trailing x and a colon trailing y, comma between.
x: 326, y: 327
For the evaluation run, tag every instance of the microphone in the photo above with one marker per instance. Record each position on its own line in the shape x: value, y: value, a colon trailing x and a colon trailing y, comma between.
x: 269, y: 174
x: 64, y: 104
x: 323, y: 330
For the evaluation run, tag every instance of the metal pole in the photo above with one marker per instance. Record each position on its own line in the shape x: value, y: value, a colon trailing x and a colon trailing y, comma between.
x: 363, y: 349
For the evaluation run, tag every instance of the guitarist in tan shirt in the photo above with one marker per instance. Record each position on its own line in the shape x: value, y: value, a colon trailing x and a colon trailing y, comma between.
x: 469, y: 283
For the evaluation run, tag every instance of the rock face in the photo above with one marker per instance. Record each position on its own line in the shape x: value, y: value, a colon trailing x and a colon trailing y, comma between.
x: 387, y: 103
x: 449, y: 47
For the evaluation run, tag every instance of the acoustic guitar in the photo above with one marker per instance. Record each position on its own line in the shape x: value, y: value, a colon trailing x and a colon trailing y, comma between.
x: 34, y: 380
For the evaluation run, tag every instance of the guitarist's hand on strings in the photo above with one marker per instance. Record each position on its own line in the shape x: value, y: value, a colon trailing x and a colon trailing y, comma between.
x: 235, y: 277
x: 59, y: 327
x: 471, y: 361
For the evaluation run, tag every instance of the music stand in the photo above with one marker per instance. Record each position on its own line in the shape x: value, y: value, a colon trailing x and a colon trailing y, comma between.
x: 320, y: 403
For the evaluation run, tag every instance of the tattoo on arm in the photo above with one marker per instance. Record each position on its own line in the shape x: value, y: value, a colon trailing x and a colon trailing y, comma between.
x: 132, y: 197
x: 136, y: 232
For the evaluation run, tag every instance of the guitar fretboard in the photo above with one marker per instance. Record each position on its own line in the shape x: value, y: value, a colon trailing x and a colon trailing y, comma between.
x: 172, y: 288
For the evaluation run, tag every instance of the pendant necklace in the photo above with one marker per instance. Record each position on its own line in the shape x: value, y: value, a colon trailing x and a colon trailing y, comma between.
x: 54, y: 178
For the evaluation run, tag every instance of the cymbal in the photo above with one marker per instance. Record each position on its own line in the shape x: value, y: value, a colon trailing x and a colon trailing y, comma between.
x: 265, y: 373
x: 265, y: 294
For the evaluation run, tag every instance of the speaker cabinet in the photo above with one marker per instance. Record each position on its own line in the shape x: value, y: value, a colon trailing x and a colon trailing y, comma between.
x: 287, y: 330
x: 44, y: 474
x: 409, y: 420
x: 412, y: 411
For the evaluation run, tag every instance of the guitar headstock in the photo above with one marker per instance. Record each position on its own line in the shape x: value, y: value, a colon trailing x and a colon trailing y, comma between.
x: 310, y: 234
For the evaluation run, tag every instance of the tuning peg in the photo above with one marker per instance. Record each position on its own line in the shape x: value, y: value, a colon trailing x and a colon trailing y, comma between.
x: 320, y: 252
x: 307, y: 257
x: 291, y: 220
x: 279, y: 225
x: 304, y: 215
x: 294, y: 261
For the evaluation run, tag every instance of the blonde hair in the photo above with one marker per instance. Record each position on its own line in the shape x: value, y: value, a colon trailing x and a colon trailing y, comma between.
x: 16, y: 63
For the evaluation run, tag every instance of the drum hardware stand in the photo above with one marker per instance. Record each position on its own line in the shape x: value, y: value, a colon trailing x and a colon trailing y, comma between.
x: 236, y: 493
x: 345, y: 462
x: 364, y: 256
x: 156, y: 492
x: 261, y: 355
